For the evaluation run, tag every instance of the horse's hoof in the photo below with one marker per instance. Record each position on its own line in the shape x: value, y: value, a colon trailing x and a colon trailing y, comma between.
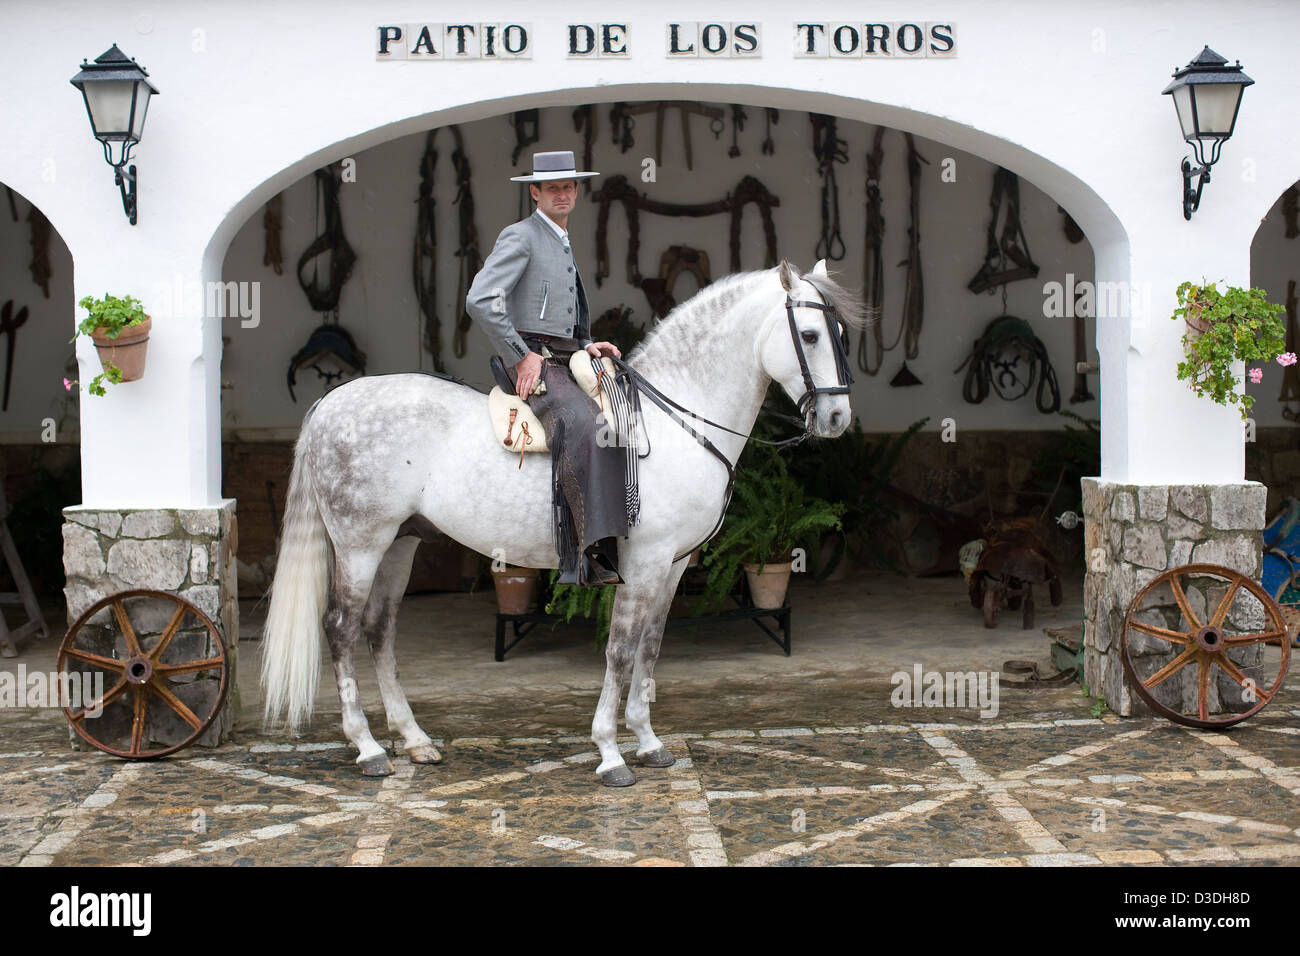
x: 657, y: 758
x: 618, y: 777
x: 424, y: 753
x: 377, y: 766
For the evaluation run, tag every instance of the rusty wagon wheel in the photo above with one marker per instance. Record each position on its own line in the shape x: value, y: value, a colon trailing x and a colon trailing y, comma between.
x: 1211, y: 617
x: 163, y: 672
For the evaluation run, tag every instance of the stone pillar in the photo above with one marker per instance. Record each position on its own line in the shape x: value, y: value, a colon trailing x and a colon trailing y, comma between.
x: 1132, y: 533
x: 189, y: 552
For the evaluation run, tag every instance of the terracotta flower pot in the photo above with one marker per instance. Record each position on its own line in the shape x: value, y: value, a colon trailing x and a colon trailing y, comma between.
x: 768, y: 586
x: 516, y: 589
x: 127, y: 351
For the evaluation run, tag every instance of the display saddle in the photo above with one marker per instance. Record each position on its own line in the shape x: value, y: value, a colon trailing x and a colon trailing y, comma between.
x: 515, y: 425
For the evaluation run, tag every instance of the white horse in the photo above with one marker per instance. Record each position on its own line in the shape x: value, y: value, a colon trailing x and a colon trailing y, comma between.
x: 384, y: 458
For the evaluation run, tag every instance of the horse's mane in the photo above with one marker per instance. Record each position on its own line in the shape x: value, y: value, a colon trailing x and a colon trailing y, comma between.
x: 848, y: 303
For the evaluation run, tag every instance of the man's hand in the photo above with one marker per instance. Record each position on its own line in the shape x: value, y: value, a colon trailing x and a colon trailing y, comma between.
x: 528, y: 370
x: 597, y: 349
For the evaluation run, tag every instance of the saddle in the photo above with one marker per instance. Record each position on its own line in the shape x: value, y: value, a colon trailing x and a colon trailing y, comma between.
x: 518, y: 428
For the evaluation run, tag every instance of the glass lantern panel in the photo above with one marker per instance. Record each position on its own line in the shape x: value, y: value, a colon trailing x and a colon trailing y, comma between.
x: 141, y: 107
x: 1216, y: 107
x: 1183, y: 104
x: 110, y: 107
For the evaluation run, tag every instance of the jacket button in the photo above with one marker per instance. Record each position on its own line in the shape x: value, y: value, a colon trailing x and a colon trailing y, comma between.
x: 570, y: 312
x: 570, y: 269
x: 570, y: 288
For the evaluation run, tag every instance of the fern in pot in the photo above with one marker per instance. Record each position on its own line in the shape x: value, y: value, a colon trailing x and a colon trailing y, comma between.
x: 769, y: 516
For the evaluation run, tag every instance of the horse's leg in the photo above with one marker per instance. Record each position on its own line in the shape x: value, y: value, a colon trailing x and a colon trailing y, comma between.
x: 353, y: 575
x: 637, y: 602
x: 379, y: 622
x: 650, y: 749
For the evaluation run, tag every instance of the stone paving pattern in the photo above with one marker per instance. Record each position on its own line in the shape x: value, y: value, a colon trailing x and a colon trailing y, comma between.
x: 789, y: 762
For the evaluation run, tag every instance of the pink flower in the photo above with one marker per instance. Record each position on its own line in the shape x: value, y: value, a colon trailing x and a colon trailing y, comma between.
x: 1286, y: 358
x: 67, y: 385
x: 1256, y: 375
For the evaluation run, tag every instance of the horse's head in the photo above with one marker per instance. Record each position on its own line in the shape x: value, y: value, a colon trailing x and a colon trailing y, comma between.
x: 805, y: 347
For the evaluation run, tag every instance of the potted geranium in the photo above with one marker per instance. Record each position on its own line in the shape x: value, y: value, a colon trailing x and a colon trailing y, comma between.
x: 120, y: 331
x: 1223, y: 328
x: 769, y: 516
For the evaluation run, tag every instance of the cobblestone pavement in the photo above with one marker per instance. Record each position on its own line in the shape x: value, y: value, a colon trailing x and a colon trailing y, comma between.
x: 858, y: 781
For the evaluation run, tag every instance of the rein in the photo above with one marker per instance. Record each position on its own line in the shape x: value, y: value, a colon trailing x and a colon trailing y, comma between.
x: 874, y: 267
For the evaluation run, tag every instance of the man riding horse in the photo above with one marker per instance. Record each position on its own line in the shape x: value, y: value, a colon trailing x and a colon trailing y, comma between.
x: 529, y: 300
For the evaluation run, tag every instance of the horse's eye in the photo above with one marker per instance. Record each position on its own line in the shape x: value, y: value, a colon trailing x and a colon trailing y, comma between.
x: 810, y: 337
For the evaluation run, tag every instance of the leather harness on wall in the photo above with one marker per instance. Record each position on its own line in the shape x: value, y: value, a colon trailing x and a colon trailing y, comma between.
x: 873, y: 269
x: 913, y: 285
x: 584, y: 122
x: 527, y: 124
x: 771, y: 118
x: 675, y: 261
x: 272, y: 216
x: 424, y: 259
x: 1013, y: 246
x: 617, y: 189
x: 992, y: 365
x: 829, y: 149
x: 40, y: 238
x: 341, y: 257
x: 471, y: 261
x: 621, y: 117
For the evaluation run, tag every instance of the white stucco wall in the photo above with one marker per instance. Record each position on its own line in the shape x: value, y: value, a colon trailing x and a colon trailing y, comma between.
x: 1065, y: 95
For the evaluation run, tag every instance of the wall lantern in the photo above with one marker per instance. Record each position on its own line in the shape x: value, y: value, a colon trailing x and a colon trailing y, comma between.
x: 1207, y: 95
x: 117, y: 98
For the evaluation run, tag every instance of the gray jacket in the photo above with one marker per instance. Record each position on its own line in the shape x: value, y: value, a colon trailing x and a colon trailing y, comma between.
x: 529, y: 283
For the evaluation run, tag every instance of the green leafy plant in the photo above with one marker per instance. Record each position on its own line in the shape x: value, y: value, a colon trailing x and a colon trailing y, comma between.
x: 770, y: 514
x: 1239, y: 325
x: 569, y: 601
x: 108, y: 316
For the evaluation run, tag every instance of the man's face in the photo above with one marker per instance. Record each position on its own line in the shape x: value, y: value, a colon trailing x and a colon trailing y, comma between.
x: 556, y: 197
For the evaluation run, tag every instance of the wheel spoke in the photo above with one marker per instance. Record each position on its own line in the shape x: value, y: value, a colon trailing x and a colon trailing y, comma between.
x: 1160, y: 632
x: 1177, y: 587
x: 172, y: 626
x: 114, y: 693
x: 171, y: 670
x: 174, y: 702
x: 1203, y: 689
x: 108, y: 663
x: 128, y: 632
x: 1222, y: 610
x: 1262, y: 637
x: 140, y: 709
x: 1233, y: 671
x: 1173, y: 667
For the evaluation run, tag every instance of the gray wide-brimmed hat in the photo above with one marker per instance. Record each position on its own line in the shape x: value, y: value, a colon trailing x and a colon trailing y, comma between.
x: 556, y: 165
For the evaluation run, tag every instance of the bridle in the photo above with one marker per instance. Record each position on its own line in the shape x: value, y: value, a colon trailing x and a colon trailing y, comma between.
x: 839, y: 346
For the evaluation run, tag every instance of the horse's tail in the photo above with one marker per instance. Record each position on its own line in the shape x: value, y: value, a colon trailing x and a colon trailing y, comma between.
x: 291, y: 638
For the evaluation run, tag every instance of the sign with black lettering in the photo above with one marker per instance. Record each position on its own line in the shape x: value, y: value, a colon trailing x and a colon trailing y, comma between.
x: 686, y: 39
x: 893, y: 39
x: 455, y: 41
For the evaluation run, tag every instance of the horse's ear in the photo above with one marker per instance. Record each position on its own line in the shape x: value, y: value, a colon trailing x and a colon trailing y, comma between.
x: 820, y: 268
x: 788, y: 276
